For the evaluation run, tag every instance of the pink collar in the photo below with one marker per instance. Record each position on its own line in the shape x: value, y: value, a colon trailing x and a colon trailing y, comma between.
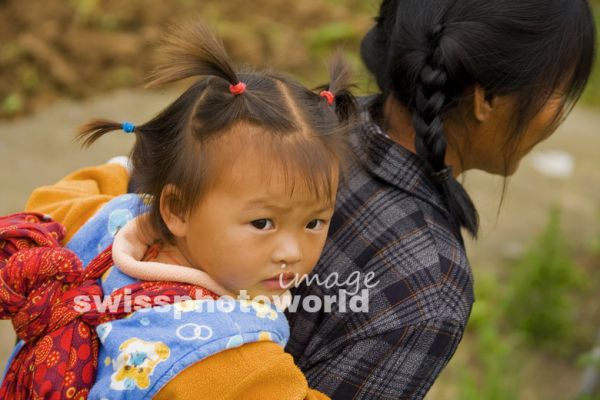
x: 129, y: 248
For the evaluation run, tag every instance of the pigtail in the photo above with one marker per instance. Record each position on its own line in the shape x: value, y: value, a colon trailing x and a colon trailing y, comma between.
x: 95, y: 129
x: 344, y: 103
x: 189, y: 50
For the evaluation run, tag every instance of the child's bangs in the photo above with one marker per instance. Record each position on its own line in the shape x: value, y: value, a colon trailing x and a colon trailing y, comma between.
x: 305, y: 163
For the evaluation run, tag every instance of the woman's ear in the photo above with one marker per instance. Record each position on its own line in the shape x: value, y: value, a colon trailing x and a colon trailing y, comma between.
x: 170, y: 211
x: 483, y: 104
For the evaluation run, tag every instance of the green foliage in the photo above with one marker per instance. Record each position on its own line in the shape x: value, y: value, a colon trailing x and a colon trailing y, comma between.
x: 517, y: 317
x: 589, y: 397
x: 85, y: 7
x: 120, y: 76
x: 496, y: 375
x: 588, y: 359
x: 30, y: 78
x: 367, y: 7
x: 10, y: 51
x: 538, y: 302
x: 322, y: 40
x: 497, y: 370
x: 12, y: 104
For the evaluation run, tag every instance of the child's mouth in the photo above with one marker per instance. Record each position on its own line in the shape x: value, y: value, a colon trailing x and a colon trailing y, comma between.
x: 279, y: 281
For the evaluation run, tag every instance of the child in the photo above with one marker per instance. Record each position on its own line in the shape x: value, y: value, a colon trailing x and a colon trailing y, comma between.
x: 238, y: 177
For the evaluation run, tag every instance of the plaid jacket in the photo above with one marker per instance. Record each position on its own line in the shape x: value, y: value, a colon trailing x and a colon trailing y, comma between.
x: 391, y: 220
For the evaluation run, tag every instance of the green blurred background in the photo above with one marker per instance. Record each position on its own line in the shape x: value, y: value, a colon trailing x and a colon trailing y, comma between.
x: 536, y: 264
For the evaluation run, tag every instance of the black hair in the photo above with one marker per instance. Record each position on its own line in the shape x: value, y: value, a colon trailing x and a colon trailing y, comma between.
x: 175, y: 146
x: 430, y: 55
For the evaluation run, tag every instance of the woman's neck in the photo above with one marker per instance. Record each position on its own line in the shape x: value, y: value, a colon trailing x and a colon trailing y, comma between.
x: 400, y: 129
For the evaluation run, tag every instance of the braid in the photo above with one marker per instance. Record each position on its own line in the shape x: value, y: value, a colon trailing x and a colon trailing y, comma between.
x: 430, y: 142
x: 429, y: 99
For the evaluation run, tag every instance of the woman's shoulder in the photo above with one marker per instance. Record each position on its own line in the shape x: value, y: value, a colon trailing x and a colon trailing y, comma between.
x: 402, y: 270
x: 418, y: 270
x: 385, y: 204
x: 391, y: 222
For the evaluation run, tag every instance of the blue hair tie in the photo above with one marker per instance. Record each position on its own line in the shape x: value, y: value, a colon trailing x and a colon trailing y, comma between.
x: 128, y: 127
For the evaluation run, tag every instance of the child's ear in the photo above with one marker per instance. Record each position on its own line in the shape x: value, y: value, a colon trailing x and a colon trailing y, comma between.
x: 170, y: 211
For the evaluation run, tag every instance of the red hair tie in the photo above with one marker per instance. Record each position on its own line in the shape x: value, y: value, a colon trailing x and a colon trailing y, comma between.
x: 328, y: 95
x: 238, y: 88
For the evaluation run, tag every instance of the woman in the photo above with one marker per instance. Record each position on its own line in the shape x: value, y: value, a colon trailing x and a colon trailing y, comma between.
x: 464, y: 85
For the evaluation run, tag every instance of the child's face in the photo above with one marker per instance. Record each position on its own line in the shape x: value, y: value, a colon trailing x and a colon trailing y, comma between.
x: 247, y: 226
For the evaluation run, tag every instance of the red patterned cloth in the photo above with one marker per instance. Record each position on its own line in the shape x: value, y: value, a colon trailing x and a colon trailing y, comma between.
x: 39, y: 281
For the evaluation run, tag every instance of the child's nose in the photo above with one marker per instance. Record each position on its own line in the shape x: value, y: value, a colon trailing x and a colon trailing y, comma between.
x: 289, y: 251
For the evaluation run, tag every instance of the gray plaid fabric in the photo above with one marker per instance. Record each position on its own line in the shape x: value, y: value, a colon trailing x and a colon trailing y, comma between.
x: 391, y: 220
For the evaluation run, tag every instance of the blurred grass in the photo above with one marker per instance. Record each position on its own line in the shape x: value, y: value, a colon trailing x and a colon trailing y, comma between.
x: 539, y: 301
x: 528, y: 315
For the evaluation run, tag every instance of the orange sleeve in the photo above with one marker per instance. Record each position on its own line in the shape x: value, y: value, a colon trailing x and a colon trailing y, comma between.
x: 76, y: 198
x: 254, y: 371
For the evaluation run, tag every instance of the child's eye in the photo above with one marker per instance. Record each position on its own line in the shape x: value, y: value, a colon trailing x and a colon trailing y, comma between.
x: 315, y: 224
x: 262, y: 224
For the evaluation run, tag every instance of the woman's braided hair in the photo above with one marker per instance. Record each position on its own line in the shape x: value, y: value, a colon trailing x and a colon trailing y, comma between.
x: 430, y: 141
